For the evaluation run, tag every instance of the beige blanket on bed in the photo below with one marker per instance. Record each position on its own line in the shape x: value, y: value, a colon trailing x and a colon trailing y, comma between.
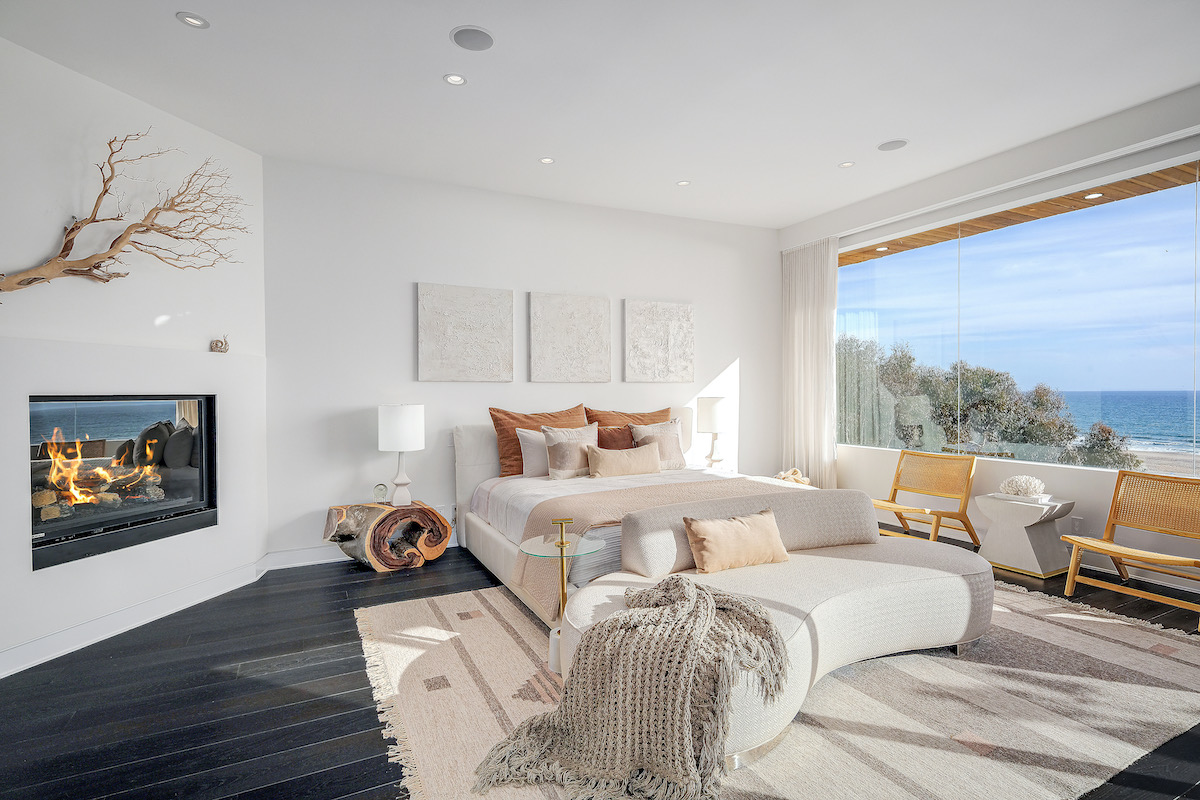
x: 539, y: 576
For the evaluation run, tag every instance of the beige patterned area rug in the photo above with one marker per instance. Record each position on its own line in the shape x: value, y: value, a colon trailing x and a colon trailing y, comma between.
x: 1052, y: 702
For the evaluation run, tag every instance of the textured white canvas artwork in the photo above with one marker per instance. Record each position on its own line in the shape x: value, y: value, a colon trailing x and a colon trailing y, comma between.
x: 570, y: 338
x: 464, y: 333
x: 660, y: 342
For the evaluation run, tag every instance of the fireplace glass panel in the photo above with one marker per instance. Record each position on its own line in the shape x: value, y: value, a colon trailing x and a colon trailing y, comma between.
x: 109, y: 472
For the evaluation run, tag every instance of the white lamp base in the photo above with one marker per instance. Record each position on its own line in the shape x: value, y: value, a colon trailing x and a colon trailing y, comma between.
x: 400, y: 495
x: 713, y: 457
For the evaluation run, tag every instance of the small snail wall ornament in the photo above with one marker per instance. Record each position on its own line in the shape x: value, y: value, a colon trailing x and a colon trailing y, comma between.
x: 219, y: 345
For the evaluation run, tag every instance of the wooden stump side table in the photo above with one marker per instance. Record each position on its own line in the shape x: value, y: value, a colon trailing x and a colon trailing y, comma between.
x: 1024, y: 537
x: 386, y: 537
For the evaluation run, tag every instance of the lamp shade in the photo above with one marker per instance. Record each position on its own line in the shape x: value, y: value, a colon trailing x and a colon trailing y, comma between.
x: 712, y: 415
x: 401, y: 428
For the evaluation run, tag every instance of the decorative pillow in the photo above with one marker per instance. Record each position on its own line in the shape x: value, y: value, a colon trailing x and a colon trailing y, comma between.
x: 668, y: 437
x: 178, y: 452
x: 533, y: 453
x: 566, y: 450
x: 507, y: 422
x: 124, y: 455
x: 634, y: 461
x: 719, y: 544
x: 610, y: 419
x: 614, y: 438
x: 150, y: 444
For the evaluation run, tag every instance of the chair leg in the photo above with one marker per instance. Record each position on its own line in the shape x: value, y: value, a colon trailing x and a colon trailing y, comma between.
x: 933, y: 529
x: 1121, y: 569
x: 1073, y: 571
x: 903, y: 522
x: 970, y: 529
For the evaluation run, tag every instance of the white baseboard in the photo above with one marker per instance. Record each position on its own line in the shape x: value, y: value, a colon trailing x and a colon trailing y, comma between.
x: 52, y: 645
x: 302, y: 557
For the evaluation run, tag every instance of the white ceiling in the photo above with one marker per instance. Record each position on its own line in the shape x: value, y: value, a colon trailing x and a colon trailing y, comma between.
x: 754, y: 102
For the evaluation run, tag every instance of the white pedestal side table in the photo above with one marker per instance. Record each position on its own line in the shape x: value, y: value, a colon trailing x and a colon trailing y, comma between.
x: 1023, y: 537
x: 562, y: 546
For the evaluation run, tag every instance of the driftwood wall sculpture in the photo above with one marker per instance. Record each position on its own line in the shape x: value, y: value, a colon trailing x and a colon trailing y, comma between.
x: 188, y: 228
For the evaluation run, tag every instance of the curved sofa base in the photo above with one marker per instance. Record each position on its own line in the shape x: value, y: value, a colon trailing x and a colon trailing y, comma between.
x: 747, y: 757
x: 835, y: 606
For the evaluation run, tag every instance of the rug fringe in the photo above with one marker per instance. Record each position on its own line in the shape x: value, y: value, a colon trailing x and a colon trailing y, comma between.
x: 400, y: 750
x: 1100, y: 612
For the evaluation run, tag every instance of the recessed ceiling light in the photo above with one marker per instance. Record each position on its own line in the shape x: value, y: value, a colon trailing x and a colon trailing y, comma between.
x: 454, y: 80
x: 683, y: 183
x: 191, y: 20
x: 546, y: 160
x: 892, y: 144
x: 846, y: 164
x: 1093, y: 195
x: 471, y: 37
x: 880, y: 249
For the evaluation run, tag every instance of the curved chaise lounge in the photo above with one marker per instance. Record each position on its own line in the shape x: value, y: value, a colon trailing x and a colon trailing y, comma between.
x: 845, y: 594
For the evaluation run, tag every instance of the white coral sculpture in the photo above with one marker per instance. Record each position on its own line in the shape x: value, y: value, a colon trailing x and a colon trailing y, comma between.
x: 1022, y: 486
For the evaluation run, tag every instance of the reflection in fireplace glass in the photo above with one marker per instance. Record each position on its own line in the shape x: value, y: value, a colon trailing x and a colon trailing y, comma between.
x: 99, y: 465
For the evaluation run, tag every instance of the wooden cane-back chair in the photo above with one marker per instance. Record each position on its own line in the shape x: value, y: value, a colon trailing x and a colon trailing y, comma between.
x: 934, y: 475
x: 1157, y: 503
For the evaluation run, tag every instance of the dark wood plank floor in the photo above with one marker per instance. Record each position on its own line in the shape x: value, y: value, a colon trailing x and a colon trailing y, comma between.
x: 261, y: 693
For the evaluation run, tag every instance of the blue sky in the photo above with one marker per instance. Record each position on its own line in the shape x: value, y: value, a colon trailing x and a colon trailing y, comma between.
x: 1102, y: 298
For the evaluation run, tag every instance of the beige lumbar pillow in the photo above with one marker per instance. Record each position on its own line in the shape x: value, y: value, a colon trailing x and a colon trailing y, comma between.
x: 634, y: 461
x: 668, y: 437
x: 719, y: 544
x: 566, y: 450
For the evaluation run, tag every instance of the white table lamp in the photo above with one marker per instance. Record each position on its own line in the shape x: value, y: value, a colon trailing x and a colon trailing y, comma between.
x: 401, y: 430
x: 712, y: 416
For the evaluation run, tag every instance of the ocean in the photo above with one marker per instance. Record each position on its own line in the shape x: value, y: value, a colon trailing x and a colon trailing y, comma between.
x: 99, y: 420
x: 1151, y: 420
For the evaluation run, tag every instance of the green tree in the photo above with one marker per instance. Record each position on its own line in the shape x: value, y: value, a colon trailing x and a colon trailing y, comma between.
x: 967, y: 403
x: 1102, y: 447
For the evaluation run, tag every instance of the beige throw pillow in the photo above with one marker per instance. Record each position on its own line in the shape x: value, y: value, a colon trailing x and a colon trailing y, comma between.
x: 566, y: 450
x: 719, y: 544
x: 668, y: 437
x: 634, y: 461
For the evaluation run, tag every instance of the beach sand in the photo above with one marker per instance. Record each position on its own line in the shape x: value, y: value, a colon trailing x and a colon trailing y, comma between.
x: 1166, y: 462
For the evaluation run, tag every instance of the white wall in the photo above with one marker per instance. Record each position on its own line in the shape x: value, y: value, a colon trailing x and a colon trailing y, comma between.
x: 871, y: 469
x: 146, y: 333
x: 345, y: 251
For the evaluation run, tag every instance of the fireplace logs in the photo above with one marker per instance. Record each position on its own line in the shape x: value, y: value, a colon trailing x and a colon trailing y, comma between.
x: 387, y: 537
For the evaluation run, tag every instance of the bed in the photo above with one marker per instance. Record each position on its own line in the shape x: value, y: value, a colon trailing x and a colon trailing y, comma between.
x: 493, y: 511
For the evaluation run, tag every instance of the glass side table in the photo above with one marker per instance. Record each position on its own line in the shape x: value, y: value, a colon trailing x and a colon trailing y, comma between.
x: 562, y: 546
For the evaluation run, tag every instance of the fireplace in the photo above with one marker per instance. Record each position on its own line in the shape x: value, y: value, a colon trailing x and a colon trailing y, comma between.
x: 109, y: 472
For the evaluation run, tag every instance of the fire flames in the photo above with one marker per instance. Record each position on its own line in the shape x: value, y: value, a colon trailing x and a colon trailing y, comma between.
x: 78, y: 484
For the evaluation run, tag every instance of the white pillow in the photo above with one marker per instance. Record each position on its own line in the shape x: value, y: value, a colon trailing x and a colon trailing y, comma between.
x: 536, y: 463
x: 566, y: 450
x: 669, y: 438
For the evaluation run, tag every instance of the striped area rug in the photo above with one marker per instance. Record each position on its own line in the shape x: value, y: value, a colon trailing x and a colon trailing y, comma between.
x: 1052, y: 702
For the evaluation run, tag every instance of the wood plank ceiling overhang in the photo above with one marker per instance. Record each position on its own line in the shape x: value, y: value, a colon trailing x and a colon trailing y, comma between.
x: 1118, y: 190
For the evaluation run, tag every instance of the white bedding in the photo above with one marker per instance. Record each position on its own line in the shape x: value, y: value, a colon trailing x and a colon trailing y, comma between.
x: 506, y: 503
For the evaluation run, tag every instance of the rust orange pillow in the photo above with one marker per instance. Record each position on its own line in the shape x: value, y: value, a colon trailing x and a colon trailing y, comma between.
x: 616, y: 438
x: 609, y: 419
x: 507, y: 422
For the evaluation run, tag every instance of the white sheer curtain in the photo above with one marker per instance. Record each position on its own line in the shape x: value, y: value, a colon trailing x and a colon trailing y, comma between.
x: 809, y: 364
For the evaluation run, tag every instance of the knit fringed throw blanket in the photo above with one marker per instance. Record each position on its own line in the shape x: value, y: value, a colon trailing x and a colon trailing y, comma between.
x: 645, y: 708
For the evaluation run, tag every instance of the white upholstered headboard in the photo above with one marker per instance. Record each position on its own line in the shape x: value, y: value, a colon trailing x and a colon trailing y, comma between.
x: 476, y: 457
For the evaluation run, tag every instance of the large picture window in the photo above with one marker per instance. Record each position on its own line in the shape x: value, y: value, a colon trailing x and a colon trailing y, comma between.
x: 1069, y: 338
